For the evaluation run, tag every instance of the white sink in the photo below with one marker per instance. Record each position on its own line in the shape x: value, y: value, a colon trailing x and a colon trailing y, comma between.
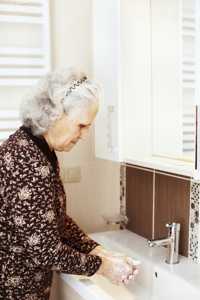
x: 155, y: 281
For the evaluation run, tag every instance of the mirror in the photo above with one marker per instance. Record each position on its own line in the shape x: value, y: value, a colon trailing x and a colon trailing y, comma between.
x: 174, y: 44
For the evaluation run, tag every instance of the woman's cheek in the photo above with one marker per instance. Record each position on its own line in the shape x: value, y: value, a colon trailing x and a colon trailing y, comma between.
x: 84, y: 132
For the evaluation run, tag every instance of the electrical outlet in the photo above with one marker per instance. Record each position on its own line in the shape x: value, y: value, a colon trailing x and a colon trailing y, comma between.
x: 72, y: 174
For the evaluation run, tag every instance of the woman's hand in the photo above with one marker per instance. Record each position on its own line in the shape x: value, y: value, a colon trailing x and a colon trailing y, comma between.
x: 122, y: 267
x: 117, y: 270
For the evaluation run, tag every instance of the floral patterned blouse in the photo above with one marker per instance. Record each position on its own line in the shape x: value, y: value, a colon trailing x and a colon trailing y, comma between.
x: 36, y: 234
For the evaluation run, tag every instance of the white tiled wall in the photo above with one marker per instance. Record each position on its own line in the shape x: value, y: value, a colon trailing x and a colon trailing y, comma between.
x: 194, y: 228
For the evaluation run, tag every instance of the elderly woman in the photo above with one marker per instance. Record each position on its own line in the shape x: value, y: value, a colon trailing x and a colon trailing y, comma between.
x: 36, y: 235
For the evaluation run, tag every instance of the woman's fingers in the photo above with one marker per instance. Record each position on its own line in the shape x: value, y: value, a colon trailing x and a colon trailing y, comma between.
x: 128, y: 279
x: 130, y: 270
x: 131, y: 276
x: 132, y: 261
x: 135, y: 272
x: 133, y: 264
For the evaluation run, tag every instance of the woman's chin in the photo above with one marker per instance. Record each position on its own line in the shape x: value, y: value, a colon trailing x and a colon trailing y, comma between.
x: 66, y: 148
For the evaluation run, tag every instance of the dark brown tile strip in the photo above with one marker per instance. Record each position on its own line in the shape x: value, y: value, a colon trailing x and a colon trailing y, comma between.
x: 172, y: 204
x: 139, y: 201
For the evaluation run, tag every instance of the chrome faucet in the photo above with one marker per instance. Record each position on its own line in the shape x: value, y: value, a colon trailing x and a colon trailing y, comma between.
x: 172, y: 243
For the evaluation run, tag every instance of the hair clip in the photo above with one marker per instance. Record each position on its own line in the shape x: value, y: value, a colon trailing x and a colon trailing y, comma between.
x: 74, y: 85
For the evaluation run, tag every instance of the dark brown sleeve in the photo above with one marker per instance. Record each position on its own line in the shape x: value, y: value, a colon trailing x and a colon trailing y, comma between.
x: 75, y: 237
x: 35, y: 224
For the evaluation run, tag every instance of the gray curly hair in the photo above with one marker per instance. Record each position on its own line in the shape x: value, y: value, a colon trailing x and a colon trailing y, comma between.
x: 56, y: 94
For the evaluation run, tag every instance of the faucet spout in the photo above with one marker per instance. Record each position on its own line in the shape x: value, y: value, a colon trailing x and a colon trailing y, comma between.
x: 161, y: 242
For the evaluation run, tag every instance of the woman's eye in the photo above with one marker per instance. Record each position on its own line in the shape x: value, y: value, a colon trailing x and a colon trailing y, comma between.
x: 84, y: 126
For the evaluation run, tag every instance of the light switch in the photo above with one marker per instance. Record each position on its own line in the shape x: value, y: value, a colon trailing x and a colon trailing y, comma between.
x: 72, y: 174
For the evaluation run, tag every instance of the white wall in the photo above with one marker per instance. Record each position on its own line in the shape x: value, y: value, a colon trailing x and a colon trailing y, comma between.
x: 98, y: 191
x: 71, y: 33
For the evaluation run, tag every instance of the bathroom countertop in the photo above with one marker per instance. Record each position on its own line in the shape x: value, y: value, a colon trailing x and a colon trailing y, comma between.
x: 182, y: 280
x: 136, y: 246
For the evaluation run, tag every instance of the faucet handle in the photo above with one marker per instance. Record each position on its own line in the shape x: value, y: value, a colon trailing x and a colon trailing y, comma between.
x: 170, y: 227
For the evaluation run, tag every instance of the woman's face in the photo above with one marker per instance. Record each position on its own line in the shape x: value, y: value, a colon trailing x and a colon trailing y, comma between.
x: 69, y: 129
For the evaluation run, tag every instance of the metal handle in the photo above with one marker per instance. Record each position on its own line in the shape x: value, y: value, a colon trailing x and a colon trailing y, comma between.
x: 172, y: 227
x: 110, y: 112
x: 196, y: 136
x: 169, y: 225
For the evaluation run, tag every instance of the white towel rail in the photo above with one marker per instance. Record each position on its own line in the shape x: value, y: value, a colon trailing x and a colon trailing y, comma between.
x: 24, y: 65
x: 9, y: 114
x: 189, y: 74
x: 18, y: 51
x: 34, y: 72
x: 9, y: 121
x: 23, y: 2
x: 20, y: 9
x: 10, y: 61
x: 18, y: 82
x: 21, y: 19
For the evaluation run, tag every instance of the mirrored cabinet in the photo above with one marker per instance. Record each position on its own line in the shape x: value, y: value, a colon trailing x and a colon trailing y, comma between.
x: 147, y: 57
x: 174, y: 62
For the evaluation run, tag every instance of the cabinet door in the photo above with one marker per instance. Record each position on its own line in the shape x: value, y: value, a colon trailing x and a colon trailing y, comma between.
x: 122, y: 65
x: 106, y: 24
x: 135, y: 79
